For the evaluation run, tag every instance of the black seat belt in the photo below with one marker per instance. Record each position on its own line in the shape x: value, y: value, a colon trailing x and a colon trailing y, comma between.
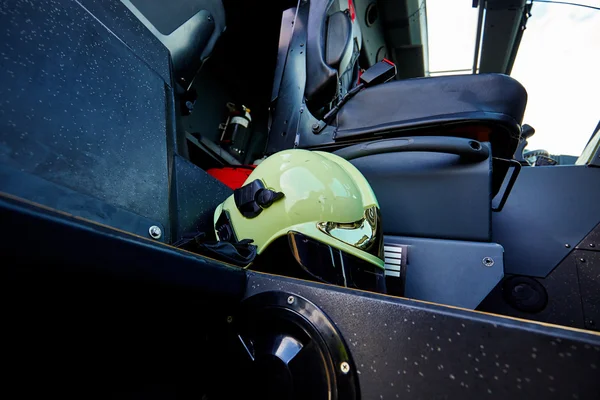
x: 381, y: 72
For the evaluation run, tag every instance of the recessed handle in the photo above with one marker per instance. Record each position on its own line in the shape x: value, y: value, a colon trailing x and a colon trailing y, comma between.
x: 468, y: 149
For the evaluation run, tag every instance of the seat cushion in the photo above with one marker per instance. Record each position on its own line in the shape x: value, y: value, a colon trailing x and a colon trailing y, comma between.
x: 425, y: 102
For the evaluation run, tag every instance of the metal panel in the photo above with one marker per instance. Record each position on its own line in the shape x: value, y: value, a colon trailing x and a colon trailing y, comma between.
x: 450, y: 272
x: 124, y: 25
x: 564, y: 298
x: 572, y: 290
x: 80, y: 109
x: 285, y: 37
x: 288, y: 109
x: 400, y: 347
x: 198, y: 195
x: 63, y: 244
x: 588, y: 267
x: 167, y: 19
x: 504, y: 23
x: 405, y: 27
x: 373, y: 37
x: 592, y: 241
x: 189, y: 41
x: 549, y: 211
x: 407, y: 349
x: 35, y: 189
x: 103, y: 312
x: 430, y: 195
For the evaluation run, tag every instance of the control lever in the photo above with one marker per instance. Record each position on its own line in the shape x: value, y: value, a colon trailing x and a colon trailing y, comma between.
x: 381, y: 72
x: 527, y: 131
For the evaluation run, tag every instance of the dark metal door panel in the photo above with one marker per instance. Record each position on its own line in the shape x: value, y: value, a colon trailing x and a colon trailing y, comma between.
x: 549, y: 211
x: 406, y: 349
x: 588, y: 267
x: 80, y: 109
x: 452, y: 272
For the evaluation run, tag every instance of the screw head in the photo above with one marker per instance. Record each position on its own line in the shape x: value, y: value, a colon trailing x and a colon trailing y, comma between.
x: 592, y: 245
x: 488, y: 261
x: 582, y: 260
x: 290, y: 300
x: 567, y: 245
x: 315, y: 127
x: 345, y: 367
x: 229, y: 319
x: 155, y: 232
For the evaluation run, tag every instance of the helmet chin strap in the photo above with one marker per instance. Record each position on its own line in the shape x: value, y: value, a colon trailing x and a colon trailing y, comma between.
x: 343, y: 269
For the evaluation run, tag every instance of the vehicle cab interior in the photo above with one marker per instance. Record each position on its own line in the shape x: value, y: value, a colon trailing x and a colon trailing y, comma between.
x: 140, y: 118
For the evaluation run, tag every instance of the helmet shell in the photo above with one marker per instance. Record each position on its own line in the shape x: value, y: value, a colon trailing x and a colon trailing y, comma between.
x: 317, y: 187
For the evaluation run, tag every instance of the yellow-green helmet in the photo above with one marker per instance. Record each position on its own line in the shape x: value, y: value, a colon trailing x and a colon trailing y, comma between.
x: 322, y: 205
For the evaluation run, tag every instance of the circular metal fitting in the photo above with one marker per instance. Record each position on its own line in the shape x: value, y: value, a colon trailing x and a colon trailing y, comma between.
x: 345, y: 367
x: 488, y: 261
x: 155, y: 232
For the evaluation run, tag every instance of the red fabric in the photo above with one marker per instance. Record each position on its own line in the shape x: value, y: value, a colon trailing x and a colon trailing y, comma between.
x: 351, y: 10
x: 234, y: 177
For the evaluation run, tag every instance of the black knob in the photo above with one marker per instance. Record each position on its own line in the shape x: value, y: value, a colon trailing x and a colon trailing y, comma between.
x: 266, y: 197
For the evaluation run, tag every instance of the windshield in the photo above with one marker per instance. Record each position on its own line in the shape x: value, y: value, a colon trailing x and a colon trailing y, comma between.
x: 558, y: 63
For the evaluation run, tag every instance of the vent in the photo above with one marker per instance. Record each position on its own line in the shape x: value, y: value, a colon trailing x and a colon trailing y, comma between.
x: 395, y: 268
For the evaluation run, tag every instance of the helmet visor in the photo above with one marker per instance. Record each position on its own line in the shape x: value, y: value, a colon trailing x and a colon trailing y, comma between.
x: 331, y: 265
x: 365, y: 234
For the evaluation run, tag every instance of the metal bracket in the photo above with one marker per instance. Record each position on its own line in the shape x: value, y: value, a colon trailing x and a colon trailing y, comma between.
x: 317, y: 127
x: 511, y: 181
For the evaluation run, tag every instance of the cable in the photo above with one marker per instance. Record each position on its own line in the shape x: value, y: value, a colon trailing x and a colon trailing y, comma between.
x: 421, y: 7
x: 566, y: 3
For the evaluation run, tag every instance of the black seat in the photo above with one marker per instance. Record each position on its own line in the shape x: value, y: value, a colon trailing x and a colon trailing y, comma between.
x: 488, y: 107
x: 491, y: 105
x: 435, y: 190
x: 428, y: 191
x: 332, y: 43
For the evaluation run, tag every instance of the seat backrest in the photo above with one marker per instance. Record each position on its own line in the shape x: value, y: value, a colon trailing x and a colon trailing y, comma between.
x: 188, y: 28
x: 332, y: 48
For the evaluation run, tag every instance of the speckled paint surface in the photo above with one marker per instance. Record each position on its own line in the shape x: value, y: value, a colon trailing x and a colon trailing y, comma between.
x: 198, y: 195
x: 119, y: 20
x: 404, y: 349
x: 79, y: 104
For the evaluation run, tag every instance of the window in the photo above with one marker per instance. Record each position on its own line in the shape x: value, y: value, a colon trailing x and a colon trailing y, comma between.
x: 558, y: 63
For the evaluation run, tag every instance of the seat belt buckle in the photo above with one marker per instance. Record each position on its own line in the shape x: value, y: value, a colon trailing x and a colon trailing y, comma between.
x: 381, y: 72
